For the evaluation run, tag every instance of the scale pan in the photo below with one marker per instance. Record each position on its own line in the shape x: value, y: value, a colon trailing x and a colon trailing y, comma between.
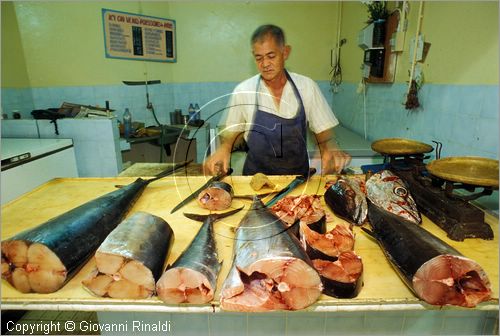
x: 467, y: 169
x: 400, y: 146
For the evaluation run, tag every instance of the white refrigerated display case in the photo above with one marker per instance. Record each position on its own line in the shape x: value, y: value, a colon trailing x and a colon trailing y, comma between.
x: 28, y: 163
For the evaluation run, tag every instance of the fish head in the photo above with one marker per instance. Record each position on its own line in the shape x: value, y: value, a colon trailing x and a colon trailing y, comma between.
x: 391, y: 193
x: 347, y: 199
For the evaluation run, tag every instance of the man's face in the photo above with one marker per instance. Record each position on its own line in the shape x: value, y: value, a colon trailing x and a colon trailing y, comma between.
x: 270, y: 57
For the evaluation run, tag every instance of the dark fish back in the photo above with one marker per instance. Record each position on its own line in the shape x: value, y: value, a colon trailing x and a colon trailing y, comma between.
x: 408, y: 246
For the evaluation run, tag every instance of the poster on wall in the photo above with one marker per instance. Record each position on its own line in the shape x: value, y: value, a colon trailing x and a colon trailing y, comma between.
x: 138, y: 37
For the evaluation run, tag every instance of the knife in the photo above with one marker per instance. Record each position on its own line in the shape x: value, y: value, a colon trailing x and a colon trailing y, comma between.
x: 297, y: 181
x: 195, y: 194
x: 164, y: 173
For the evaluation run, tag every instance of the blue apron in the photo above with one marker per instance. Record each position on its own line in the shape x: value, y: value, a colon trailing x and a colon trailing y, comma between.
x: 276, y: 145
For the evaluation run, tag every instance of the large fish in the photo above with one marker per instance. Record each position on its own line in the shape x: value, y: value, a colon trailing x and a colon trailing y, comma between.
x: 436, y: 272
x: 270, y: 270
x: 131, y: 258
x: 390, y: 193
x: 347, y: 199
x: 193, y: 276
x: 44, y: 258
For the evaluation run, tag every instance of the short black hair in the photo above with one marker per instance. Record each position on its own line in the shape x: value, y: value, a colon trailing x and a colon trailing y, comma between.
x: 268, y: 30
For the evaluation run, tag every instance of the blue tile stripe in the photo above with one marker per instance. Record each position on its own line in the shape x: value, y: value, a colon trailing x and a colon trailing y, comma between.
x: 463, y: 117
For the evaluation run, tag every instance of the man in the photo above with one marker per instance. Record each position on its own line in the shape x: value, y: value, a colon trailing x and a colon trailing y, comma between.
x: 273, y: 110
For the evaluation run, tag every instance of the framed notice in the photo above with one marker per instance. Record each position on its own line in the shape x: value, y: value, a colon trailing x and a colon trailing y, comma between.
x: 138, y: 37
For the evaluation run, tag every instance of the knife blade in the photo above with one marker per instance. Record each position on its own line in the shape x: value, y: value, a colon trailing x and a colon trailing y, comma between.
x: 297, y: 181
x: 176, y: 167
x: 195, y: 194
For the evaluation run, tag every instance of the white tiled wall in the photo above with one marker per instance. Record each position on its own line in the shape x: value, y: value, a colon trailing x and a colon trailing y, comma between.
x: 431, y: 322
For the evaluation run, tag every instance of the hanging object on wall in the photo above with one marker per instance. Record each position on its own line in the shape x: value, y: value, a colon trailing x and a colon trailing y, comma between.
x: 411, y: 96
x: 138, y: 37
x: 336, y: 72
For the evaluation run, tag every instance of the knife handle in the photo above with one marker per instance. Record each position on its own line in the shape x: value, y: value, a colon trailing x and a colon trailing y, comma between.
x: 220, y: 176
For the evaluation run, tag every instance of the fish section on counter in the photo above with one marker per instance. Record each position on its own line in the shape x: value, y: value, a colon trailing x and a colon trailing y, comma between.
x: 306, y: 218
x: 391, y: 193
x: 217, y: 196
x: 306, y: 208
x: 326, y: 246
x: 44, y: 258
x: 270, y: 270
x: 131, y: 258
x: 193, y: 276
x: 347, y: 199
x: 342, y: 278
x: 436, y: 272
x: 333, y: 256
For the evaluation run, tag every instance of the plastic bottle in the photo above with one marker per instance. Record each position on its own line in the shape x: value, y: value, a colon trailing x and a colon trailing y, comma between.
x: 127, y: 123
x: 191, y: 112
x: 197, y: 111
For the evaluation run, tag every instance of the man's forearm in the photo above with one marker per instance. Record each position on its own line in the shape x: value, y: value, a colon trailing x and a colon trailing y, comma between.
x: 227, y: 140
x: 326, y: 140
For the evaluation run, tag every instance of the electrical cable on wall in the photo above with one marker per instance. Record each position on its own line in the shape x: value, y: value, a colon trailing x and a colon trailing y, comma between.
x: 412, y: 98
x: 336, y: 72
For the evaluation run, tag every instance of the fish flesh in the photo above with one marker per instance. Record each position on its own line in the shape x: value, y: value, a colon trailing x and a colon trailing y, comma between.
x: 391, y: 193
x: 347, y: 199
x: 306, y: 208
x: 44, y: 258
x: 131, y: 258
x: 270, y: 270
x: 342, y: 278
x: 192, y: 278
x: 217, y: 196
x: 327, y: 246
x: 436, y: 272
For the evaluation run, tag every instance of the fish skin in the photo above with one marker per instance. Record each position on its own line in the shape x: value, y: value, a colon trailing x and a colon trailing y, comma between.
x: 262, y: 237
x: 347, y: 200
x: 415, y: 254
x: 391, y: 193
x: 90, y: 222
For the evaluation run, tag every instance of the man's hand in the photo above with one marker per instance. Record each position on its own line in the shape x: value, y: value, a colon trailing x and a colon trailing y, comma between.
x: 220, y: 160
x: 217, y: 162
x: 333, y: 160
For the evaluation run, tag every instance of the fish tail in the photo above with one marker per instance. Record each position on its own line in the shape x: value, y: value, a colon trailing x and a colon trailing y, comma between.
x: 168, y: 171
x: 370, y: 233
x: 213, y: 216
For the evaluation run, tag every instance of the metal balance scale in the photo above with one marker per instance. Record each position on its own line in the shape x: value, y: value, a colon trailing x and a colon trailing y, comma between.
x: 444, y: 187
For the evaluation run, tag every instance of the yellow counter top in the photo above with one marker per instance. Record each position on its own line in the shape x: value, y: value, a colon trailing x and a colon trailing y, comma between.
x: 382, y: 290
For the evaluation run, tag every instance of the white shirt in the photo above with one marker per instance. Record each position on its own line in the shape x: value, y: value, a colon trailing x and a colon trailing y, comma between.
x: 241, y: 108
